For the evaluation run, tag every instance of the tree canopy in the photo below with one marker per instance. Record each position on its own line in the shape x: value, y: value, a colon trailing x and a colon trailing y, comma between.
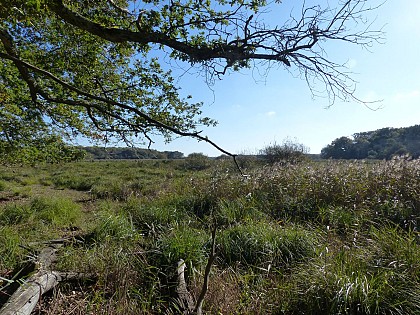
x: 97, y: 68
x: 124, y: 153
x: 383, y: 143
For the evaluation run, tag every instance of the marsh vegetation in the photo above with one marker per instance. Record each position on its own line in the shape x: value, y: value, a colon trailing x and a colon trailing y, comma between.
x: 325, y: 237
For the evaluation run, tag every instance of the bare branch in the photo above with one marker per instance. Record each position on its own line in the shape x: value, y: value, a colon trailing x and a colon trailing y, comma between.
x: 199, y: 305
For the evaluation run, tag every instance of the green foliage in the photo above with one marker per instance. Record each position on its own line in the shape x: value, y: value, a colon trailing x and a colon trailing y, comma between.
x: 361, y: 280
x: 153, y: 218
x: 377, y: 192
x: 3, y: 185
x: 384, y: 143
x: 232, y: 212
x: 57, y: 212
x: 183, y: 242
x: 73, y: 181
x: 10, y: 252
x: 111, y: 225
x: 97, y: 88
x: 123, y: 153
x: 37, y: 149
x: 13, y: 214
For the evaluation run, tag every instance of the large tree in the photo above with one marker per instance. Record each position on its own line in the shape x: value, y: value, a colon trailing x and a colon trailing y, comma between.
x: 96, y: 67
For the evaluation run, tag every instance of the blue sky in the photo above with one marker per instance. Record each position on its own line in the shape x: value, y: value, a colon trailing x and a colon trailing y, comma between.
x: 253, y: 112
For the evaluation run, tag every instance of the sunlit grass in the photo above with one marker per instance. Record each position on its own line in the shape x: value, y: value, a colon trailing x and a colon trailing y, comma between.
x: 311, y: 238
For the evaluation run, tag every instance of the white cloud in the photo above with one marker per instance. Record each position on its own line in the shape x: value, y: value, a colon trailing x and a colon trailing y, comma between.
x: 270, y: 114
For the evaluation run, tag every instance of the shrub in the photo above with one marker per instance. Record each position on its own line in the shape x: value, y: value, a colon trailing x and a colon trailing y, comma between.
x: 288, y: 152
x: 196, y: 162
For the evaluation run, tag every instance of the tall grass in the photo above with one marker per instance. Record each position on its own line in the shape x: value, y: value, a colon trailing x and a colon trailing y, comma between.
x: 331, y: 237
x: 264, y: 245
x: 382, y: 278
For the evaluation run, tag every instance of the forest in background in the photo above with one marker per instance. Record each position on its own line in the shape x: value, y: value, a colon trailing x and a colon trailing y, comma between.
x: 384, y: 143
x: 380, y: 144
x: 127, y: 153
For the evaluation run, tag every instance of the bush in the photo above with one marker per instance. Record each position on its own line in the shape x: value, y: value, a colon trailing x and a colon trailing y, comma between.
x: 288, y: 152
x: 196, y: 162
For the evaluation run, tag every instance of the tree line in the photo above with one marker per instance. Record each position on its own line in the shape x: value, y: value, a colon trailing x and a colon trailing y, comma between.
x: 384, y: 143
x: 124, y: 153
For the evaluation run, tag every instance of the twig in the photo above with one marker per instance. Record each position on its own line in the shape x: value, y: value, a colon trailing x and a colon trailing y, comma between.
x: 198, y: 308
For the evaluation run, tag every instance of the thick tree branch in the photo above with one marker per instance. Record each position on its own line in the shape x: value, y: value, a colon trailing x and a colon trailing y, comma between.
x: 66, y: 46
x: 153, y: 122
x: 116, y: 35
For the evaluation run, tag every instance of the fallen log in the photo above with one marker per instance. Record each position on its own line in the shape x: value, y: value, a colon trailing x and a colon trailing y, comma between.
x: 25, y: 298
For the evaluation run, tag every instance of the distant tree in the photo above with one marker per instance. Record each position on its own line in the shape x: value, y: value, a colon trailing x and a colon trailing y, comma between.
x: 340, y: 148
x: 383, y: 143
x: 125, y: 153
x: 174, y: 155
x: 94, y: 68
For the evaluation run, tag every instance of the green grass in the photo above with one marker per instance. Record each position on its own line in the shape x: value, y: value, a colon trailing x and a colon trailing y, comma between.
x: 381, y: 278
x: 328, y: 237
x: 10, y: 252
x: 265, y: 245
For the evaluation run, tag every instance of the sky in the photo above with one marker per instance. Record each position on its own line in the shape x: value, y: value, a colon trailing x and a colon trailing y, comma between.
x: 253, y: 111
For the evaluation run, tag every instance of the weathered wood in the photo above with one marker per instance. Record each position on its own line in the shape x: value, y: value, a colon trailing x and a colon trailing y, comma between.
x: 26, y: 297
x: 184, y: 300
x: 24, y: 300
